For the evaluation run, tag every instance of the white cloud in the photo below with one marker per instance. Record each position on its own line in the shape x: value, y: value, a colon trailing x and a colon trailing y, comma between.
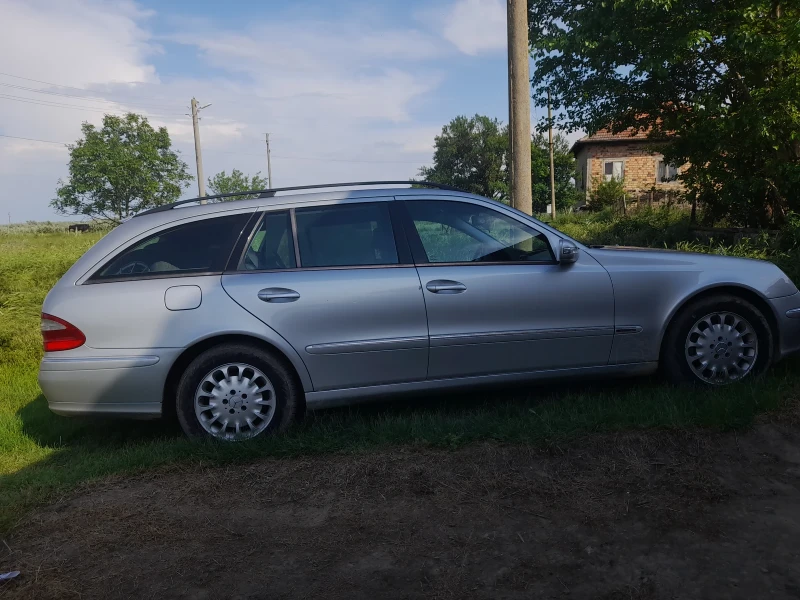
x: 80, y: 41
x: 328, y: 93
x: 476, y: 26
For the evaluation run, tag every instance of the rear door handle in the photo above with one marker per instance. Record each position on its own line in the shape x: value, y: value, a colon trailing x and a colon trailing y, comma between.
x: 445, y: 286
x: 278, y: 295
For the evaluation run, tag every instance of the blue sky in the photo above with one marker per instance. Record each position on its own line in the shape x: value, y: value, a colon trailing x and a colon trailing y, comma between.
x: 348, y: 90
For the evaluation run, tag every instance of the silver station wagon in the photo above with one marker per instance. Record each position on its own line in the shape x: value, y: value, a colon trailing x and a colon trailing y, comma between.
x: 238, y: 316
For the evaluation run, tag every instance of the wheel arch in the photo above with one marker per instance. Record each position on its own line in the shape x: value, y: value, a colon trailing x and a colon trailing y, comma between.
x: 745, y: 293
x: 194, y: 350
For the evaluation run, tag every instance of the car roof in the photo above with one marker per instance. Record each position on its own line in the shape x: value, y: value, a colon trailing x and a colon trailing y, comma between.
x: 176, y: 212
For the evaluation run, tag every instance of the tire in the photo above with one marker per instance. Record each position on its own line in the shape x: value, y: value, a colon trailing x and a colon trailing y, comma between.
x: 679, y: 359
x: 233, y: 388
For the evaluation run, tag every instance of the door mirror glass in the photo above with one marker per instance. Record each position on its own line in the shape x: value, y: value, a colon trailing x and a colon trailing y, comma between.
x: 568, y: 253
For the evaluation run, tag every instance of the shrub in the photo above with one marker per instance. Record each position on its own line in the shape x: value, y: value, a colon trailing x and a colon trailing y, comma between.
x: 659, y: 227
x: 607, y: 193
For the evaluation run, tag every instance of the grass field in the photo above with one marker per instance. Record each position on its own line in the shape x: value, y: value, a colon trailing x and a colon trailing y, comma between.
x: 43, y: 456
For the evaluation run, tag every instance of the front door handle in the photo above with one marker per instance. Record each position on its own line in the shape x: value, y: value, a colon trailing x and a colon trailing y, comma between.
x: 445, y: 286
x: 278, y: 295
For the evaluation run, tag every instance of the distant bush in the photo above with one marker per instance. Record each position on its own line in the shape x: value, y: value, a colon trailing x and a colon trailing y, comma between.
x: 607, y: 193
x: 655, y: 227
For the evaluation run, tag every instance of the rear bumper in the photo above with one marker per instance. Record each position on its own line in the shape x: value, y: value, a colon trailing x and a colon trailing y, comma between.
x: 788, y: 319
x: 131, y: 385
x: 141, y: 410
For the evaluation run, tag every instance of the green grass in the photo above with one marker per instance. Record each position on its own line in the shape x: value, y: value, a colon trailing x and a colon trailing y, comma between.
x: 43, y: 456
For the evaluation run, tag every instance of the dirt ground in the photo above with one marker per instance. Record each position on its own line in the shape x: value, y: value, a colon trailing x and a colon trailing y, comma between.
x: 655, y: 515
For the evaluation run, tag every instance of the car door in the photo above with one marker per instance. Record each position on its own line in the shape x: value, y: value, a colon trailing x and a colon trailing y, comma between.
x: 497, y: 299
x: 340, y: 286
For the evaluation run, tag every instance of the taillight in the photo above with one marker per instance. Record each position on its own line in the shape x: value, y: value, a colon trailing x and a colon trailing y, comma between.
x: 58, y: 334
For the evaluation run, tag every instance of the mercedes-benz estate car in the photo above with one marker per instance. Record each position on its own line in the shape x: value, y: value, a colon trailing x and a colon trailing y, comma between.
x: 240, y: 315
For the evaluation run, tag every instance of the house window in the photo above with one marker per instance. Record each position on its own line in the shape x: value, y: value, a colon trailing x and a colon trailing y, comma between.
x: 613, y: 169
x: 666, y: 172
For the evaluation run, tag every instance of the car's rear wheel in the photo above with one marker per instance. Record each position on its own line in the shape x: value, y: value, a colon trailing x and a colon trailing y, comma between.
x: 236, y: 392
x: 717, y: 340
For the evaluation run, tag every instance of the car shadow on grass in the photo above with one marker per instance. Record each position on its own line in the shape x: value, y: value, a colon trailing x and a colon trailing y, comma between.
x: 50, y: 430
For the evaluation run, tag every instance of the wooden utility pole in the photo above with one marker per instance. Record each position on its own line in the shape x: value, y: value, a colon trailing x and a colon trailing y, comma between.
x: 269, y: 164
x: 519, y: 106
x: 552, y: 168
x: 198, y: 153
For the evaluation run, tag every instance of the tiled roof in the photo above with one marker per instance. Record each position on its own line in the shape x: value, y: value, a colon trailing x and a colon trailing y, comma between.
x: 605, y: 135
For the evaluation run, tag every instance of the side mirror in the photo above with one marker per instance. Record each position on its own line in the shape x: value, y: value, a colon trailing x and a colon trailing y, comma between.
x: 568, y: 253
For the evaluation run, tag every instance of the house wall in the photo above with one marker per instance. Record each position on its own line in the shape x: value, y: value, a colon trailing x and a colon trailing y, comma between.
x: 640, y: 169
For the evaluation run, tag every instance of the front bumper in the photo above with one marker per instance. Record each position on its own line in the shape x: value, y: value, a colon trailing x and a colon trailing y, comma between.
x: 131, y: 385
x: 787, y: 314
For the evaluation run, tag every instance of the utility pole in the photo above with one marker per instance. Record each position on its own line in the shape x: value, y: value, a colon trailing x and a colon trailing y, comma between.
x: 519, y: 101
x: 552, y: 169
x: 198, y: 153
x: 269, y: 164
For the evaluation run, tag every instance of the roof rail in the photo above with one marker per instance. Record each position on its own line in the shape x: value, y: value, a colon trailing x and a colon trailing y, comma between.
x: 269, y: 193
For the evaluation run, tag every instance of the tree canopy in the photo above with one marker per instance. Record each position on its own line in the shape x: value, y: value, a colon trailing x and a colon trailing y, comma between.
x: 717, y: 82
x: 120, y: 169
x: 471, y: 153
x: 222, y: 183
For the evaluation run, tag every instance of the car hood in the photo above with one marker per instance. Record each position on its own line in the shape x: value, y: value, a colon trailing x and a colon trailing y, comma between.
x: 759, y: 275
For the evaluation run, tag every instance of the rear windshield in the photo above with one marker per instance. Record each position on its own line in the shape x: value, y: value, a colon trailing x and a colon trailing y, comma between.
x: 193, y: 248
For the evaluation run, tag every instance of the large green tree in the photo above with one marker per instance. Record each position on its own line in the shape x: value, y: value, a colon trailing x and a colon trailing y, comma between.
x: 222, y: 183
x: 472, y: 154
x: 124, y: 167
x: 718, y: 81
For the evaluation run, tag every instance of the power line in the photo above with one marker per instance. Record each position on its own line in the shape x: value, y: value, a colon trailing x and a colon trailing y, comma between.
x: 71, y: 106
x: 345, y: 160
x: 69, y: 87
x: 318, y: 158
x: 16, y: 137
x: 89, y: 98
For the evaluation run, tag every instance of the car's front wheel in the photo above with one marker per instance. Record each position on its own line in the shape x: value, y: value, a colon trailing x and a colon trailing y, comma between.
x: 717, y: 340
x: 235, y: 392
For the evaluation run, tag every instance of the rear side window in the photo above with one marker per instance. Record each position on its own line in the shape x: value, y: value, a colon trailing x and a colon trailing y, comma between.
x: 346, y: 235
x: 193, y: 248
x: 272, y: 245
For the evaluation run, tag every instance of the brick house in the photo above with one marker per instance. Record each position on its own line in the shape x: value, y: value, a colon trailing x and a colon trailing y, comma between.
x: 626, y: 156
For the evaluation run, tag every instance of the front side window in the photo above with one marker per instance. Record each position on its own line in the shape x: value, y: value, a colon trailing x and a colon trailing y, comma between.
x: 346, y: 235
x: 193, y: 248
x: 272, y: 245
x: 614, y: 169
x: 667, y: 172
x: 458, y: 232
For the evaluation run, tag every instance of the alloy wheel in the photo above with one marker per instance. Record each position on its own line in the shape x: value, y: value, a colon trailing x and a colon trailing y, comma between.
x: 235, y: 402
x: 721, y: 348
